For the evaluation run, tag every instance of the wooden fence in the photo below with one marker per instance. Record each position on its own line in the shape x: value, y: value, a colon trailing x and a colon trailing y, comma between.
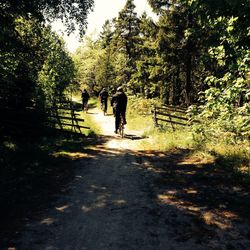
x: 65, y: 116
x: 175, y: 116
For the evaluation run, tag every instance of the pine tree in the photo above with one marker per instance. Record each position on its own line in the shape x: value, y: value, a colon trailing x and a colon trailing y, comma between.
x: 126, y: 37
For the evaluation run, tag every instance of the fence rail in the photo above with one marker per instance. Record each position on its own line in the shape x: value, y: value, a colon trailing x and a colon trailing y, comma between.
x: 172, y: 115
x: 65, y: 116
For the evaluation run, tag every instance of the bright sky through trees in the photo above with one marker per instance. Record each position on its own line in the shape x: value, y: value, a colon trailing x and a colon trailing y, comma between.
x: 103, y: 10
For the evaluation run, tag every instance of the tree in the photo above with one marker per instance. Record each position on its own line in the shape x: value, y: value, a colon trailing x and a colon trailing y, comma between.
x: 86, y: 60
x: 57, y: 72
x: 71, y: 12
x: 19, y: 66
x: 146, y: 59
x: 23, y: 47
x: 106, y: 34
x: 125, y: 38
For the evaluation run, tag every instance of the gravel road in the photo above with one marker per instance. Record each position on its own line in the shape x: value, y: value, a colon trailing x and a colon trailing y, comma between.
x: 113, y: 203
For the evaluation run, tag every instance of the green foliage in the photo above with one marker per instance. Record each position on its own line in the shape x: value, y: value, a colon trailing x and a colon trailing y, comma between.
x: 86, y: 59
x: 57, y: 72
x: 70, y: 12
x: 19, y: 66
x: 197, y: 53
x: 125, y: 40
x: 139, y: 117
x: 141, y: 105
x: 226, y: 109
x: 32, y: 57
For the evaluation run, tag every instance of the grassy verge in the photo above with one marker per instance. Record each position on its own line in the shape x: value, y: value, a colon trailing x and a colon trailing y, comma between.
x: 162, y: 138
x: 88, y: 119
x: 89, y: 122
x: 233, y: 157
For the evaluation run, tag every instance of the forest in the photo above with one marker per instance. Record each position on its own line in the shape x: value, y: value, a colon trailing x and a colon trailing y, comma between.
x: 194, y: 55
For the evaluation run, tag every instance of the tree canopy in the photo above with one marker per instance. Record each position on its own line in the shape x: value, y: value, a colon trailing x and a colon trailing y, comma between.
x: 34, y: 60
x: 196, y: 53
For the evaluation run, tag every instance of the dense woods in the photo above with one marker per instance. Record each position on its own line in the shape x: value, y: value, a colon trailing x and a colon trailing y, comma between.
x: 35, y: 65
x: 194, y: 54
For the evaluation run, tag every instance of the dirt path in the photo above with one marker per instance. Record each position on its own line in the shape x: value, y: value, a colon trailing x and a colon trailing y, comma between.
x: 123, y: 199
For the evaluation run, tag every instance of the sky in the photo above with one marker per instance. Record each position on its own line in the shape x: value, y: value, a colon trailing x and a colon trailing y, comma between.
x: 103, y: 10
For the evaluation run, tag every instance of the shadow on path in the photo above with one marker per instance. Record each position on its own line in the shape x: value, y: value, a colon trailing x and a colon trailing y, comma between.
x: 123, y: 199
x: 134, y: 137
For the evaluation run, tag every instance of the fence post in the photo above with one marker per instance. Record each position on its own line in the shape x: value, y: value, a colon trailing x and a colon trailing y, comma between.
x: 155, y: 117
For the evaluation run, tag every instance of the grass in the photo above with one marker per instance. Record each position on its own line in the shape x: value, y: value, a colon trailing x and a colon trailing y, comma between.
x: 161, y: 138
x: 89, y: 122
x: 233, y: 157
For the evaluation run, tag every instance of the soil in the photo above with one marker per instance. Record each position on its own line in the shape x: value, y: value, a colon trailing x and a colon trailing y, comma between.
x: 123, y: 198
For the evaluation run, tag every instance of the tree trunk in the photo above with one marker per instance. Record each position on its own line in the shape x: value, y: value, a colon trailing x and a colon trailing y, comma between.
x: 188, y: 87
x: 176, y: 89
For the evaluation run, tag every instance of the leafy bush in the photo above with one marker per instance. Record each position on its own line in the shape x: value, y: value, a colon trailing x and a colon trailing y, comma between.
x: 141, y: 105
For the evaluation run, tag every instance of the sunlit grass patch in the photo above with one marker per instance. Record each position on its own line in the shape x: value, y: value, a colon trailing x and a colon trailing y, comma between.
x: 70, y: 155
x: 10, y: 145
x: 200, y: 158
x: 235, y: 157
x: 91, y: 127
x: 160, y: 138
x: 89, y: 121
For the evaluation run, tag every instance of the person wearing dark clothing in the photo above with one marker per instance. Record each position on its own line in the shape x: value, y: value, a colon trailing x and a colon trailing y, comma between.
x: 112, y: 100
x: 119, y: 104
x: 103, y: 96
x: 85, y: 99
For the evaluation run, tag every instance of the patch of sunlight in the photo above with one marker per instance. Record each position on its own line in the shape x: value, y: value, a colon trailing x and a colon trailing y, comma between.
x: 48, y: 221
x: 119, y: 202
x: 62, y: 208
x: 190, y: 191
x: 76, y: 99
x: 193, y: 209
x: 244, y: 169
x: 151, y: 167
x: 229, y: 215
x: 101, y: 197
x: 10, y: 145
x: 99, y: 204
x: 106, y: 150
x: 211, y: 218
x: 198, y: 160
x: 71, y: 155
x: 172, y: 192
x: 167, y: 196
x: 221, y: 219
x: 86, y: 209
x: 124, y: 143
